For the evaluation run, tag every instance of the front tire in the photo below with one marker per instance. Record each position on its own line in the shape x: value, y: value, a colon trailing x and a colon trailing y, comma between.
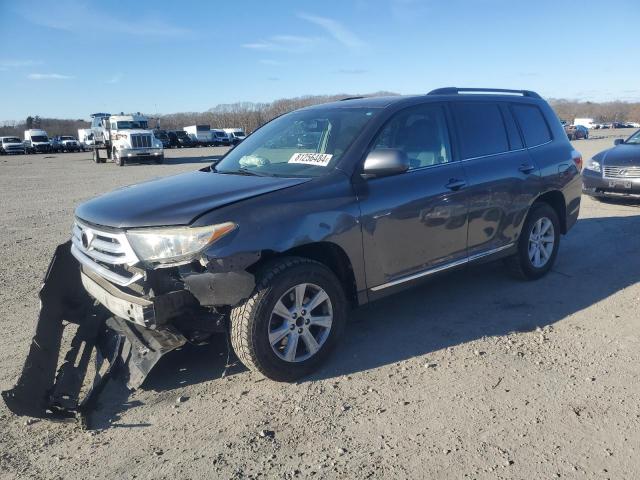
x: 538, y: 244
x: 117, y: 158
x: 291, y: 322
x: 159, y: 159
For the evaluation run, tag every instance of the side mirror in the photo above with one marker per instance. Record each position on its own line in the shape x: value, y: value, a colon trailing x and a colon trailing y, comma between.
x: 618, y: 141
x: 385, y: 161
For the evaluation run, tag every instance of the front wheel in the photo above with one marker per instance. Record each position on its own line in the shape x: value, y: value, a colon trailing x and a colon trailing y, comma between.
x: 289, y: 325
x: 159, y: 159
x: 117, y: 158
x: 538, y: 244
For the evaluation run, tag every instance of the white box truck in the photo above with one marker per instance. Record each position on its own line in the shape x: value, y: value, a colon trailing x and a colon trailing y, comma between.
x: 201, y: 134
x: 36, y: 140
x: 585, y: 122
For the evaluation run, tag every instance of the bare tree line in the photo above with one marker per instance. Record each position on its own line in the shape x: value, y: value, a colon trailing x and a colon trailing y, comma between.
x: 249, y: 116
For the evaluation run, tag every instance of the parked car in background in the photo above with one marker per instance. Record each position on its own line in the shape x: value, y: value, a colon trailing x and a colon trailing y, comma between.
x: 184, y: 140
x: 576, y: 132
x: 173, y: 139
x: 11, y: 145
x: 37, y: 141
x: 585, y: 122
x: 220, y: 137
x: 163, y: 137
x: 56, y: 144
x: 614, y: 172
x: 69, y: 143
x: 85, y: 138
x: 236, y: 135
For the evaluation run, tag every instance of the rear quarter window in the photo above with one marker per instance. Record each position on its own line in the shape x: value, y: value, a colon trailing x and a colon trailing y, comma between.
x: 480, y: 128
x: 532, y: 124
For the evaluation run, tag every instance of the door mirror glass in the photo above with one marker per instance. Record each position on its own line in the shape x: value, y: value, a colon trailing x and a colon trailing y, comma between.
x: 618, y: 141
x: 385, y: 161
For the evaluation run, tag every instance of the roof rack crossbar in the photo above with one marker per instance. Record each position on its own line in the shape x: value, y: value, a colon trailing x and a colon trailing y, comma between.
x: 458, y: 91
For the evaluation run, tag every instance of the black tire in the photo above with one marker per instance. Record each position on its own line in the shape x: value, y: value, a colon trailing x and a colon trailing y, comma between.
x: 96, y: 156
x: 159, y: 159
x: 117, y: 159
x: 250, y: 321
x: 520, y: 265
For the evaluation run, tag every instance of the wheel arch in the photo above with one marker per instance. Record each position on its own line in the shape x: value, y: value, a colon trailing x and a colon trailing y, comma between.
x: 329, y: 254
x: 556, y: 200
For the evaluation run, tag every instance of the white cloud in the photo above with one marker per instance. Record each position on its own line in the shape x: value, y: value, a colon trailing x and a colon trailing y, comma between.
x: 338, y: 31
x: 7, y: 64
x: 49, y: 76
x: 267, y: 61
x: 284, y: 43
x: 82, y: 17
x: 115, y: 78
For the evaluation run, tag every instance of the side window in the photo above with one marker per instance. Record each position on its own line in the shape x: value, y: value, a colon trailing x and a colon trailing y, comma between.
x: 420, y: 132
x: 480, y: 128
x: 515, y: 141
x: 532, y: 123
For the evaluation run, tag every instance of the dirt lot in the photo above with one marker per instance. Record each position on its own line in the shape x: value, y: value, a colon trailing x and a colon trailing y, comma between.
x: 474, y: 375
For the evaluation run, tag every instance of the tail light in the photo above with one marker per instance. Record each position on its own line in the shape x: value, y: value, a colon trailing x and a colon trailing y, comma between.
x: 577, y: 159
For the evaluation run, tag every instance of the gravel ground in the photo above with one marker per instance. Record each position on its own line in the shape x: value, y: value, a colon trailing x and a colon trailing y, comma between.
x: 473, y: 375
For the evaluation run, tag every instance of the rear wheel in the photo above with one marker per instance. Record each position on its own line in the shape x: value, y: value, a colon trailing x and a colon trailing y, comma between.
x: 289, y: 325
x: 538, y: 244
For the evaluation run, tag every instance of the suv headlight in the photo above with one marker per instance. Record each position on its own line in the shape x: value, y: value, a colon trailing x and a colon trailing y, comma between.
x: 175, y: 245
x: 593, y: 165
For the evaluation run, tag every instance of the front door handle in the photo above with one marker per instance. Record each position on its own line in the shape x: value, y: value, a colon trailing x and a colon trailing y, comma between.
x: 526, y: 168
x: 455, y: 184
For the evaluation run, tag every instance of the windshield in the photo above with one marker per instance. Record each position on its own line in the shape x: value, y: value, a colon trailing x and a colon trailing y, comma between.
x: 130, y: 125
x: 39, y: 138
x: 11, y: 140
x: 67, y: 138
x: 221, y: 134
x: 203, y: 128
x: 182, y: 134
x: 305, y: 143
x: 161, y: 136
x: 633, y: 139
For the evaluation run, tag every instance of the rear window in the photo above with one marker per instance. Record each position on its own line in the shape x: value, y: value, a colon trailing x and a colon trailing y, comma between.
x: 481, y: 129
x: 532, y: 123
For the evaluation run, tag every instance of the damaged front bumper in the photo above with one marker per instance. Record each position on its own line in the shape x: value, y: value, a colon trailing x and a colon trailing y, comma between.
x: 116, y: 329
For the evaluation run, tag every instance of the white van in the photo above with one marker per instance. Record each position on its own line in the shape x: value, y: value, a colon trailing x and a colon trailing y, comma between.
x: 236, y: 135
x: 85, y: 137
x: 36, y: 140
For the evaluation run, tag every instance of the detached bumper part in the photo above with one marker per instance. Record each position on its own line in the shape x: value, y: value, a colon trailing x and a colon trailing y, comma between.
x: 43, y: 390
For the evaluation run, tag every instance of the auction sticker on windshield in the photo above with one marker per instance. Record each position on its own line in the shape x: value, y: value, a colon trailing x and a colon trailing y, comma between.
x: 319, y: 159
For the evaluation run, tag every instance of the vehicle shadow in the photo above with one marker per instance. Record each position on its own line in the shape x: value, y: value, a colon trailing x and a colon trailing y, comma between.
x: 600, y: 257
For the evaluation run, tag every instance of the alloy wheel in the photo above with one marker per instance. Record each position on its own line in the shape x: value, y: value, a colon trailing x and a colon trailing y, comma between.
x: 541, y: 242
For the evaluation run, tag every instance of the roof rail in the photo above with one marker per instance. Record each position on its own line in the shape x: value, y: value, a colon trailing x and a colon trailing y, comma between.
x: 458, y: 91
x: 350, y: 98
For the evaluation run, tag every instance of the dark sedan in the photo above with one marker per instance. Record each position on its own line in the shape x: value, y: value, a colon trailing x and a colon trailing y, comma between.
x: 614, y: 172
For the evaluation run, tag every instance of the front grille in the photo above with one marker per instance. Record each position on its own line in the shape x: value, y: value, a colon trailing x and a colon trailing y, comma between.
x: 141, y: 141
x: 622, y: 172
x: 106, y: 253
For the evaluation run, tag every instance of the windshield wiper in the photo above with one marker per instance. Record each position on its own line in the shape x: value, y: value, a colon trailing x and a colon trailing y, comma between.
x: 241, y: 171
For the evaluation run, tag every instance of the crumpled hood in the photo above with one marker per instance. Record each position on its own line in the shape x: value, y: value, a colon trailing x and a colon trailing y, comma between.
x: 621, y: 155
x: 176, y: 200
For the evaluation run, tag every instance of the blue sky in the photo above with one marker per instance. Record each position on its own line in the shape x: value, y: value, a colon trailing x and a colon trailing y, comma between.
x: 69, y: 58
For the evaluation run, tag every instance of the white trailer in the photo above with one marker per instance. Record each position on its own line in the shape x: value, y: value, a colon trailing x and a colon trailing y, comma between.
x: 585, y: 122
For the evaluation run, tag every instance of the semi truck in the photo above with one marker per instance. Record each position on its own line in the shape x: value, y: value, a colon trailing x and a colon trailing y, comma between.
x: 124, y: 138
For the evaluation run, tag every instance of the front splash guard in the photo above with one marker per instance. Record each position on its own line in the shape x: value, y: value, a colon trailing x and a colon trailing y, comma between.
x: 45, y: 391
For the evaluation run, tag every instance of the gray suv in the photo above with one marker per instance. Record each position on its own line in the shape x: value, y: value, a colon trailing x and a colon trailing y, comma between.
x: 275, y: 243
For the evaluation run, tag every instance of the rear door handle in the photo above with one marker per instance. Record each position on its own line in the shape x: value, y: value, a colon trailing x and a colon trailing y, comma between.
x: 455, y: 184
x: 526, y: 168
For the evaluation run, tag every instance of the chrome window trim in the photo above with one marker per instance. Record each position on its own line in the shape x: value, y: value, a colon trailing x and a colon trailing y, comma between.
x: 440, y: 268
